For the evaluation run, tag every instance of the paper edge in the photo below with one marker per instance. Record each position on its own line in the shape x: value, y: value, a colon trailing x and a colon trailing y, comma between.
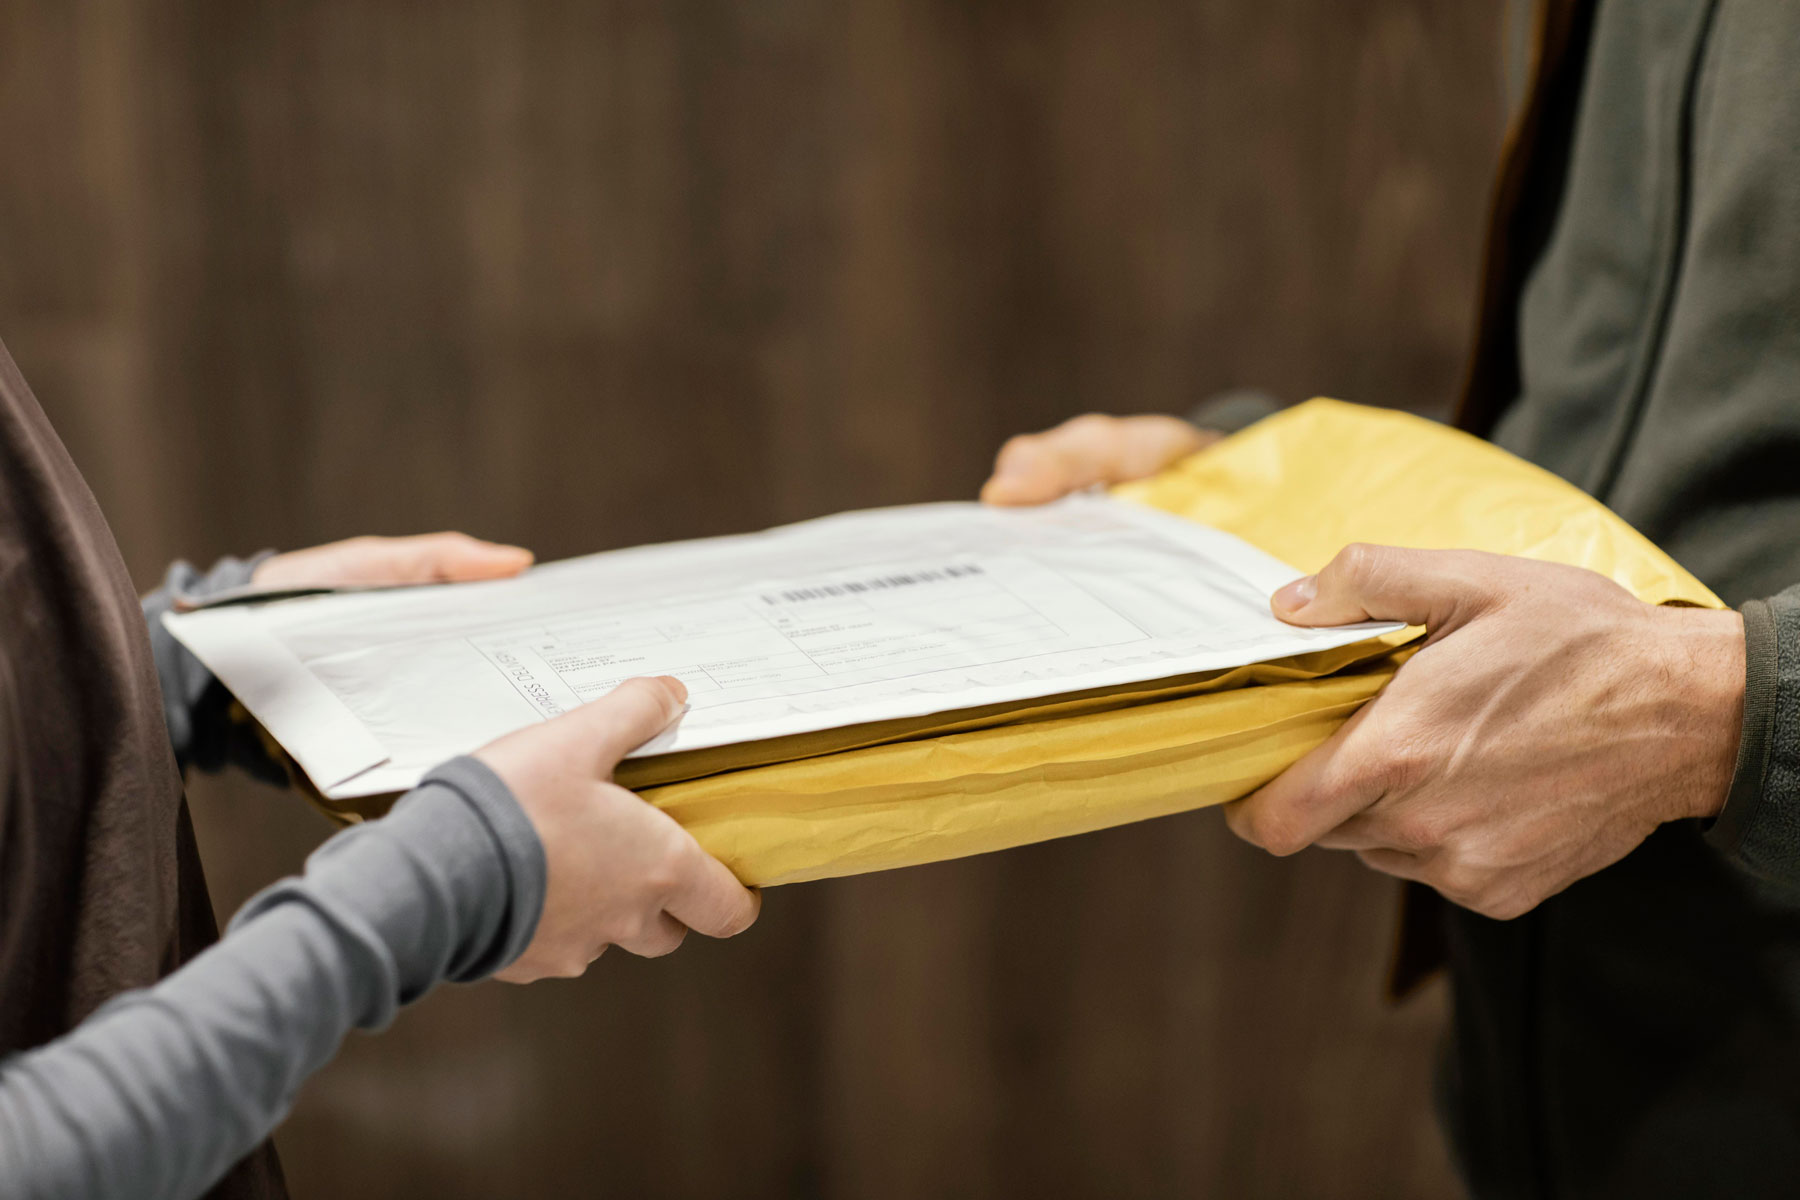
x: 280, y: 692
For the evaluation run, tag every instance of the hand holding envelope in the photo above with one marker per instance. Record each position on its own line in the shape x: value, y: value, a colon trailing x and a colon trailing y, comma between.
x: 1551, y: 722
x: 618, y: 872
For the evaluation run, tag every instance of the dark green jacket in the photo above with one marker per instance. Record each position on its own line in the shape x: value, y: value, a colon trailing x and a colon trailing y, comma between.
x: 1639, y: 1034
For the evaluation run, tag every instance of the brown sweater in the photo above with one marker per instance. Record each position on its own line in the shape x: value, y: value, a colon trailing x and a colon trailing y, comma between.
x: 100, y: 884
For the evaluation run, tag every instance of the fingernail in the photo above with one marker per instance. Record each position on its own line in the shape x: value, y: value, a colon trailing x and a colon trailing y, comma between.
x: 1298, y: 594
x: 680, y: 688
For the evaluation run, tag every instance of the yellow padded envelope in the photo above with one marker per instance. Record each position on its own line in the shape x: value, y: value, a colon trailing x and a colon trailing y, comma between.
x: 1300, y: 485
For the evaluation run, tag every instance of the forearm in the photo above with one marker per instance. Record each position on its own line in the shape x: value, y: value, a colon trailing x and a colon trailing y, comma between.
x: 196, y: 707
x: 160, y: 1091
x: 1759, y: 828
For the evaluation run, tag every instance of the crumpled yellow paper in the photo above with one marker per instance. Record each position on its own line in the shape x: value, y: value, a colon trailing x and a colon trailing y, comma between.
x: 1301, y: 485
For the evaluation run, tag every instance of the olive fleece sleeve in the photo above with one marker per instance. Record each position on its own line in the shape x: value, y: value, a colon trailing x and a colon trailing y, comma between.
x: 1759, y: 828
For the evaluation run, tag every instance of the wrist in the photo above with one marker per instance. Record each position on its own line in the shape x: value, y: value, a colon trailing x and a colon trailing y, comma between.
x: 1706, y: 669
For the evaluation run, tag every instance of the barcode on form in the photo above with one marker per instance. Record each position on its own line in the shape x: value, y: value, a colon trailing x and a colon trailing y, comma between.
x: 826, y: 591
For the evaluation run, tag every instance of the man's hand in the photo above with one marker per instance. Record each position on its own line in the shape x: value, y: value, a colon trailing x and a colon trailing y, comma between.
x: 427, y: 558
x: 1035, y: 468
x: 622, y: 872
x: 1549, y: 724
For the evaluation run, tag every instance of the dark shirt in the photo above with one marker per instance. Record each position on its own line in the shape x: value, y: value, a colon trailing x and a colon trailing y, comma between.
x: 1639, y: 1034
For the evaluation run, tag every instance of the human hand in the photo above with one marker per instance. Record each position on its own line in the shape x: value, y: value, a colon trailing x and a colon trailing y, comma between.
x: 1549, y: 724
x: 1035, y: 468
x: 425, y: 558
x: 621, y: 872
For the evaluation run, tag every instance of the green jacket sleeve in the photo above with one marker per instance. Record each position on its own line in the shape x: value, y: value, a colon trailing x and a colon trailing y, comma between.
x: 1759, y: 828
x: 1228, y: 412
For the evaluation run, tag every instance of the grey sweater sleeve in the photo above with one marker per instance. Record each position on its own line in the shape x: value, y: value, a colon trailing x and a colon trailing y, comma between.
x: 1759, y: 828
x: 196, y: 706
x: 161, y: 1090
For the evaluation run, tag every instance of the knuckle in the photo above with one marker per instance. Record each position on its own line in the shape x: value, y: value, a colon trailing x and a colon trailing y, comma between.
x: 666, y: 940
x: 1359, y: 563
x: 1405, y: 749
x: 1458, y: 878
x: 664, y: 876
x: 630, y: 929
x: 1502, y: 901
x: 415, y: 558
x: 1418, y: 831
x: 1091, y: 423
x: 1460, y: 883
x: 1018, y: 450
x: 673, y: 861
x: 1407, y: 764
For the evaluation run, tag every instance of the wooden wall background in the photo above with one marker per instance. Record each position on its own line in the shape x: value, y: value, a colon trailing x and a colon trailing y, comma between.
x: 585, y: 274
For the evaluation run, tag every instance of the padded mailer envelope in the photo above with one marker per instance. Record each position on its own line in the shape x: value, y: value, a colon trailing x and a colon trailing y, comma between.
x: 1301, y: 485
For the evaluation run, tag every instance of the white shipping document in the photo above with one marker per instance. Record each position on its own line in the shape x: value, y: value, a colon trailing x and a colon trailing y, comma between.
x: 866, y: 616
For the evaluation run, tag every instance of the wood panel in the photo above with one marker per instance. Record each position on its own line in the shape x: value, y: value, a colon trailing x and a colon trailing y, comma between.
x: 590, y: 274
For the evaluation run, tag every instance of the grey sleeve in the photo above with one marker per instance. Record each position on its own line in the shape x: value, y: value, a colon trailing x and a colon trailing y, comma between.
x: 196, y: 706
x: 159, y: 1092
x: 1759, y: 828
x: 1231, y: 411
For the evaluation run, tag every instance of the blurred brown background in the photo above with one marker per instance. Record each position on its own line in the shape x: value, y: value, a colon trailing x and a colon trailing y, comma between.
x: 584, y: 274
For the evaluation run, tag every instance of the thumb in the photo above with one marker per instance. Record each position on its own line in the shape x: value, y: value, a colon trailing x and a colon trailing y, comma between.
x: 710, y: 900
x: 1433, y: 588
x: 624, y: 719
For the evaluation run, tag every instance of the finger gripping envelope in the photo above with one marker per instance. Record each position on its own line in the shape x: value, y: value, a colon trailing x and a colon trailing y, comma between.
x: 1300, y: 486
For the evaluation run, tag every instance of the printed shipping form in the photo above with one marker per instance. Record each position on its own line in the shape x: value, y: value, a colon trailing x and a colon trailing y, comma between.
x: 849, y: 619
